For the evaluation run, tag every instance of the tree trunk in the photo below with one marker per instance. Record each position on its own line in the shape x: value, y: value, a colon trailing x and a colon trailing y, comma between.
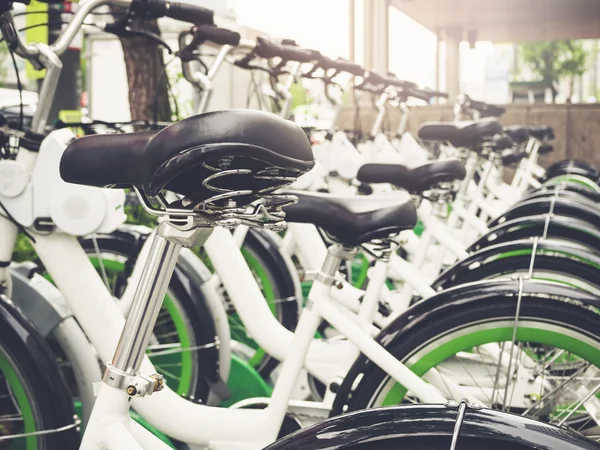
x: 146, y: 78
x: 571, y: 89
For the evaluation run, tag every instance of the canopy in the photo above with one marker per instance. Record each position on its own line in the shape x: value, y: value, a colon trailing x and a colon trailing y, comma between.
x: 507, y: 20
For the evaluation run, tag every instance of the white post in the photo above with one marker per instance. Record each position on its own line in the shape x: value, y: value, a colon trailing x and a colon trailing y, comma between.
x: 351, y: 34
x: 375, y: 35
x: 453, y: 38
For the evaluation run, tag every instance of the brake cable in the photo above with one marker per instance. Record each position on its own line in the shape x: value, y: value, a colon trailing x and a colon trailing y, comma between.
x: 122, y: 28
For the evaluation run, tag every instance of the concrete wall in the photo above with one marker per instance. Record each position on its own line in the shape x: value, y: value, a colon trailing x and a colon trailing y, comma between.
x: 577, y: 127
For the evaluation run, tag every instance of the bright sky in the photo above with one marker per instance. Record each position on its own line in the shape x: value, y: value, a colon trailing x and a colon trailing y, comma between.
x: 318, y: 24
x: 324, y: 25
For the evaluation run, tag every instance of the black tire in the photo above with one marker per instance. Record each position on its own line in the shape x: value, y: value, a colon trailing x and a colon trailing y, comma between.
x: 429, y: 324
x: 41, y: 377
x: 573, y: 264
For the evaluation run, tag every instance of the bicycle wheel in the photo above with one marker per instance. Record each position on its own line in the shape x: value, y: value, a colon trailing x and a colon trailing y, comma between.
x: 36, y: 407
x: 543, y: 374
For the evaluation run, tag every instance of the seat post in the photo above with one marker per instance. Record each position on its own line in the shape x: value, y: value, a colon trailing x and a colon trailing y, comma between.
x: 470, y: 167
x: 335, y: 254
x: 147, y: 301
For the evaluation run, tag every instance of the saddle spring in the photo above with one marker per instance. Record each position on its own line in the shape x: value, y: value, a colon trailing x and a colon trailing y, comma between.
x: 231, y: 206
x: 382, y: 248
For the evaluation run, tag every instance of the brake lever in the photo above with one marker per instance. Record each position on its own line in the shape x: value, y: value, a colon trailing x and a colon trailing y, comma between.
x: 121, y: 28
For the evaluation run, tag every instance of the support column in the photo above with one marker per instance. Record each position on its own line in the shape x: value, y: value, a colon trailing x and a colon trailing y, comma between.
x: 375, y: 35
x: 351, y: 34
x: 453, y: 38
x: 437, y: 64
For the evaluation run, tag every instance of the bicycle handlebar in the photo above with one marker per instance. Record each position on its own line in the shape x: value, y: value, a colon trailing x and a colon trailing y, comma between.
x: 375, y: 79
x: 422, y: 94
x: 268, y: 49
x: 205, y: 33
x: 485, y: 109
x: 341, y: 65
x: 211, y: 33
x: 155, y: 8
x: 186, y: 12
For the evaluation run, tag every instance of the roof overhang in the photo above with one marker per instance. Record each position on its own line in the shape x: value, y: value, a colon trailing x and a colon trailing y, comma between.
x: 507, y: 20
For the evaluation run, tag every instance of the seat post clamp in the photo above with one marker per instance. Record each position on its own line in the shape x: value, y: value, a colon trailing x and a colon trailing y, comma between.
x: 138, y: 385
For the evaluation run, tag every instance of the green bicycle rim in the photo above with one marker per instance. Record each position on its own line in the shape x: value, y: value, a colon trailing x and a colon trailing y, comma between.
x: 22, y: 399
x: 428, y: 359
x: 581, y: 181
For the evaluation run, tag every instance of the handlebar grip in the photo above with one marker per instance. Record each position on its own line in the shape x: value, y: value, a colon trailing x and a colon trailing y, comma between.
x: 342, y: 65
x: 186, y: 12
x: 418, y: 93
x: 389, y: 80
x: 221, y: 36
x: 485, y: 108
x: 375, y: 79
x: 267, y: 49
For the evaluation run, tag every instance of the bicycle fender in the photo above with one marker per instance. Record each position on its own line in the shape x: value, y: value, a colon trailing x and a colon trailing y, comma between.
x: 499, y: 258
x: 375, y: 425
x: 556, y: 205
x: 540, y: 225
x: 39, y: 300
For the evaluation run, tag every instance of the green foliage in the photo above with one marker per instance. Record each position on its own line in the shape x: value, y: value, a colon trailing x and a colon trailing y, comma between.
x: 555, y: 60
x: 180, y: 108
x: 299, y: 95
x: 136, y: 215
x: 23, y: 250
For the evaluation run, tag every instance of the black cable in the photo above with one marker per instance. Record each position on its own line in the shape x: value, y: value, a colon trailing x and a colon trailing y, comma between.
x: 249, y: 96
x: 27, y: 13
x: 255, y: 90
x: 204, y: 66
x: 53, y: 23
x: 19, y: 86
